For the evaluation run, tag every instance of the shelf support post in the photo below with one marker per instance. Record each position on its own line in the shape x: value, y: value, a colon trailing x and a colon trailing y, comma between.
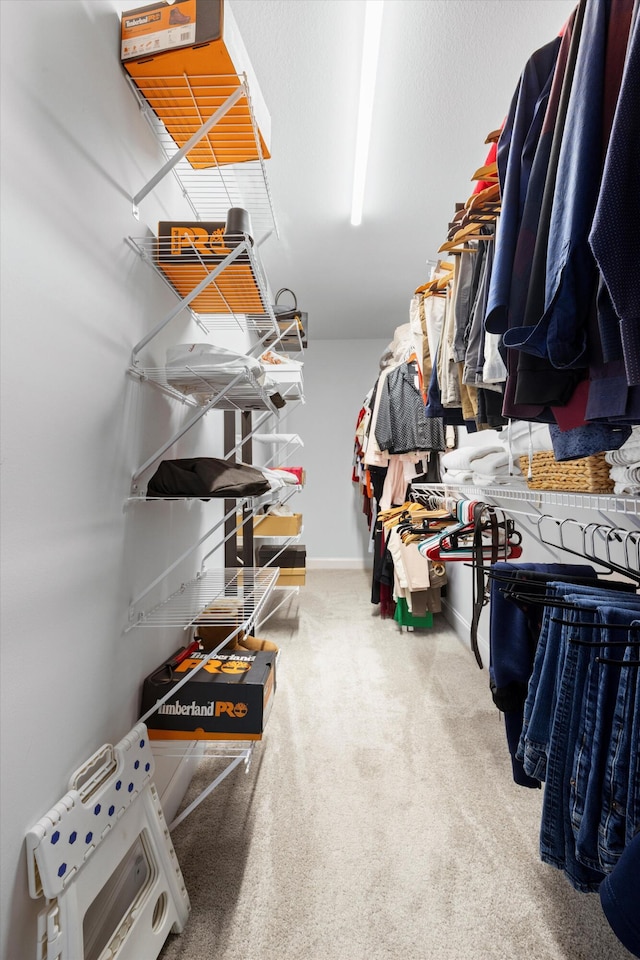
x: 247, y: 514
x: 230, y: 506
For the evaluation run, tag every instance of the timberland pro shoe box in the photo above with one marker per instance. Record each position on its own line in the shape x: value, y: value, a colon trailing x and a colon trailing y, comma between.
x: 190, y: 55
x: 229, y: 698
x: 269, y: 525
x: 187, y: 250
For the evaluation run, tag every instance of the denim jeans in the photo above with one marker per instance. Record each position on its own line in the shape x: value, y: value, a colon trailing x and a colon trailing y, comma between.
x: 633, y: 800
x: 618, y: 787
x: 541, y: 697
x: 568, y: 741
x: 594, y: 742
x: 557, y: 846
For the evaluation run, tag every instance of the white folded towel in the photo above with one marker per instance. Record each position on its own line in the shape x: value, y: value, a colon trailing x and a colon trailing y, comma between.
x: 464, y: 457
x: 626, y: 455
x: 629, y: 452
x: 491, y: 462
x: 625, y: 474
x: 497, y: 480
x: 627, y: 488
x: 457, y: 476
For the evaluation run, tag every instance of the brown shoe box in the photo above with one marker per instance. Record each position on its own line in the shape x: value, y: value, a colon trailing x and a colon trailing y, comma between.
x: 291, y: 577
x: 268, y: 525
x: 229, y: 698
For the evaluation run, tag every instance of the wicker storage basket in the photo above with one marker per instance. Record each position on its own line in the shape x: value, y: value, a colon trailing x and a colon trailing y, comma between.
x: 587, y: 475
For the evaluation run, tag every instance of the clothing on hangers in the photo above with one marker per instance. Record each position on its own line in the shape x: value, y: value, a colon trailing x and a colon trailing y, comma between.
x: 568, y: 693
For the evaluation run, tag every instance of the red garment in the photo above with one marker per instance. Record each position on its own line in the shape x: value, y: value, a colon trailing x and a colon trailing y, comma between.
x: 298, y: 472
x: 491, y: 158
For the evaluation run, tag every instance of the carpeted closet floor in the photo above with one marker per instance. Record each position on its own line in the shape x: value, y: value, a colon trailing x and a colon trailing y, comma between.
x: 378, y: 819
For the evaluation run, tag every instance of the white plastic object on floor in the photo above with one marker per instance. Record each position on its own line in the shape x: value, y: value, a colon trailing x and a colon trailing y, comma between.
x: 103, y: 858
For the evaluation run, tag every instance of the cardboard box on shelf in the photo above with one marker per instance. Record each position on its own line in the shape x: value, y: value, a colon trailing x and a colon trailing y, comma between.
x: 159, y: 27
x: 187, y: 250
x: 288, y: 335
x: 268, y: 525
x: 294, y: 555
x: 187, y: 58
x: 229, y: 698
x: 291, y: 577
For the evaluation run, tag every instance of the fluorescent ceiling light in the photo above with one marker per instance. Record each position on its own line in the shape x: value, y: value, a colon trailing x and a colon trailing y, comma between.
x: 370, y: 49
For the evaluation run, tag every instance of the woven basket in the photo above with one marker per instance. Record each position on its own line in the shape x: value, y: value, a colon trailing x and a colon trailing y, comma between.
x: 587, y: 475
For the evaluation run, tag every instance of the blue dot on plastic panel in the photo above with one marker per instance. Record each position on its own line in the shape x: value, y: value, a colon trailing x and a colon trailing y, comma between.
x: 130, y: 788
x: 73, y: 837
x: 136, y: 765
x: 118, y: 784
x: 89, y: 837
x: 112, y: 810
x: 62, y: 869
x: 55, y: 836
x: 141, y: 744
x: 147, y: 767
x: 97, y: 809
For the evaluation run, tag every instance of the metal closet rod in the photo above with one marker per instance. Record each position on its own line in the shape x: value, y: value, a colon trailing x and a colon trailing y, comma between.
x: 608, y: 536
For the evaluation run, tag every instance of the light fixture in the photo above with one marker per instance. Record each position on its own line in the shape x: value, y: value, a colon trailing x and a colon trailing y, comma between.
x: 370, y: 49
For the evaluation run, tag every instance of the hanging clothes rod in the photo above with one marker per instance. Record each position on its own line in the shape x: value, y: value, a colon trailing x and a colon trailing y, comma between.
x: 595, y: 542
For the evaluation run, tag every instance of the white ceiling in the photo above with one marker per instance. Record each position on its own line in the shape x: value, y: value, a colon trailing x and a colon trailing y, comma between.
x: 447, y: 72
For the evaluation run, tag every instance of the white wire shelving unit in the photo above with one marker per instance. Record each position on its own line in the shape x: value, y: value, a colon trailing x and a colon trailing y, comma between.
x: 223, y: 284
x: 203, y: 126
x: 230, y: 597
x: 201, y: 388
x: 209, y: 137
x: 233, y: 598
x: 231, y: 753
x: 539, y: 499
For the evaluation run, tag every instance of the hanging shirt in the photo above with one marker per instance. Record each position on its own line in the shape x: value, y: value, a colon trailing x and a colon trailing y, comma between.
x: 401, y: 425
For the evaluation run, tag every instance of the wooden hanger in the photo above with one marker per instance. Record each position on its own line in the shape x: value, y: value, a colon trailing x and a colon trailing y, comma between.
x: 462, y: 234
x: 488, y: 195
x: 487, y: 172
x: 494, y: 136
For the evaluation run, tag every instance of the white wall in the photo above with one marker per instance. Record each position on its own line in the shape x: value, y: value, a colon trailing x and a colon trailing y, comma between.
x: 75, y: 299
x: 337, y: 376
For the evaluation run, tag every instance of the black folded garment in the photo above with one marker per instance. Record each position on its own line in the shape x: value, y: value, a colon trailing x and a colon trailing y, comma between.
x: 206, y: 477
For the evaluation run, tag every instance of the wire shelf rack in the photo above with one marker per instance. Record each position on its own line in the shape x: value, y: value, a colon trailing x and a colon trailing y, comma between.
x: 236, y: 298
x: 226, y: 167
x: 276, y: 497
x: 232, y: 597
x: 200, y: 388
x: 602, y: 503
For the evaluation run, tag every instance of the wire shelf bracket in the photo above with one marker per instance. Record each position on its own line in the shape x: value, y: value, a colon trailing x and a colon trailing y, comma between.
x: 215, y: 117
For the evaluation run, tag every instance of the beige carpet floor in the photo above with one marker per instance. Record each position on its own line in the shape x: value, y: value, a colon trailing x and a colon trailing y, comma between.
x: 378, y: 819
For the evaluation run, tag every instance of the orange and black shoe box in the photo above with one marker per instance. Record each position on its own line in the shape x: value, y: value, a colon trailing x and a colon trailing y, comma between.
x: 229, y: 698
x: 187, y: 58
x: 160, y: 27
x: 192, y: 241
x: 187, y: 250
